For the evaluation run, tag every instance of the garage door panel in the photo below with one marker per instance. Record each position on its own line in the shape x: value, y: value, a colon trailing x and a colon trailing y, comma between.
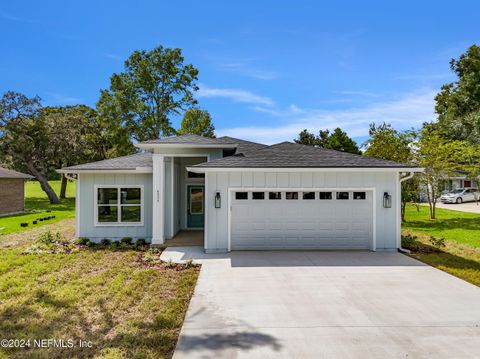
x: 303, y: 224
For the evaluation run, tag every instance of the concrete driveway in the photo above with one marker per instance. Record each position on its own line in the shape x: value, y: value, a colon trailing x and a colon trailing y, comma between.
x: 326, y: 305
x: 464, y: 207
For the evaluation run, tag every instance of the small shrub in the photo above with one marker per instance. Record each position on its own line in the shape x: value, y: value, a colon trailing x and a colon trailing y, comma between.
x: 126, y: 241
x: 40, y: 219
x: 408, y: 241
x: 105, y: 242
x: 83, y: 241
x: 53, y: 216
x: 49, y: 210
x: 91, y: 244
x: 141, y: 242
x: 169, y: 264
x: 437, y: 242
x: 115, y: 244
x: 152, y: 256
x: 24, y: 224
x: 51, y: 243
x: 34, y: 222
x: 189, y: 263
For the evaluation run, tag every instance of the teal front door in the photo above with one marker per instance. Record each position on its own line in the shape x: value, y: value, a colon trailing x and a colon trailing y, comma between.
x: 195, y: 204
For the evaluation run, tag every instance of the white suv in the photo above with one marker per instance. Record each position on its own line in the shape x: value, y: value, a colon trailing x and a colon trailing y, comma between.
x: 461, y: 195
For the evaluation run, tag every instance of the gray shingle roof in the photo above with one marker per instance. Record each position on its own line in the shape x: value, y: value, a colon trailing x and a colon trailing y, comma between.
x: 243, y: 146
x: 291, y: 155
x: 130, y: 162
x: 6, y: 173
x: 187, y: 139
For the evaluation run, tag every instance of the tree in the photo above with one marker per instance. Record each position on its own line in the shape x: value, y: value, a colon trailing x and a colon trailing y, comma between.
x: 197, y: 122
x: 458, y: 103
x: 154, y: 86
x: 388, y: 144
x: 338, y: 140
x: 440, y: 157
x: 75, y: 137
x: 24, y: 137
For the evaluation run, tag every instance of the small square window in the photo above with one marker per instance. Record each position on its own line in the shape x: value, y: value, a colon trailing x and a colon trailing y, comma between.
x: 241, y: 195
x: 342, y: 195
x: 274, y: 195
x: 258, y: 195
x: 359, y: 195
x: 291, y: 195
x: 308, y: 195
x: 325, y: 195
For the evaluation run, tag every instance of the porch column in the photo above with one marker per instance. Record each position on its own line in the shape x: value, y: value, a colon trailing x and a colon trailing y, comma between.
x: 158, y: 192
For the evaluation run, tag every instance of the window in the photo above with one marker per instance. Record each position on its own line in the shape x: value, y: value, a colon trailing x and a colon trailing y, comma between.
x: 359, y: 195
x: 308, y: 195
x: 274, y: 195
x: 258, y: 195
x: 325, y: 195
x: 291, y: 195
x: 342, y: 195
x: 119, y: 205
x: 241, y: 195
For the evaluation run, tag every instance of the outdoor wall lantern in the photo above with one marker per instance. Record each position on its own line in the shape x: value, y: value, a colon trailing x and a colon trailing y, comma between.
x: 387, y: 200
x: 218, y: 200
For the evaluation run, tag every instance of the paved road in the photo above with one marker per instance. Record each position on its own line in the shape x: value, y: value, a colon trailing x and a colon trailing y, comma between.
x: 327, y: 305
x: 464, y: 207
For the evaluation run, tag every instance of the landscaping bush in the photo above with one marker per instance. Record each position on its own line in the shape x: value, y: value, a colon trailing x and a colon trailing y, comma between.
x: 437, y: 242
x: 169, y: 264
x: 189, y: 263
x: 24, y: 224
x: 83, y: 241
x: 152, y: 256
x: 126, y: 241
x: 34, y: 222
x: 51, y: 243
x: 408, y: 241
x: 141, y: 242
x: 105, y: 242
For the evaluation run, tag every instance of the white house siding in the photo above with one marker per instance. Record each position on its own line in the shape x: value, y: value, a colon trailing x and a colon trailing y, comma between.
x: 216, y: 233
x: 86, y: 195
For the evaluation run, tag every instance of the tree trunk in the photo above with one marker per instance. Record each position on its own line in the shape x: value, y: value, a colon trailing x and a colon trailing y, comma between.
x: 52, y: 196
x: 404, y: 205
x: 63, y: 187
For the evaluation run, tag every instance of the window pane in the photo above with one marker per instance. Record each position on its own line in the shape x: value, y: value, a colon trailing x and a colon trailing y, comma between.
x: 258, y: 195
x: 275, y: 195
x: 196, y: 200
x: 241, y: 195
x: 325, y: 195
x: 107, y: 214
x: 342, y: 195
x: 107, y: 195
x: 131, y: 214
x: 359, y: 195
x: 291, y: 195
x: 308, y: 195
x: 130, y: 195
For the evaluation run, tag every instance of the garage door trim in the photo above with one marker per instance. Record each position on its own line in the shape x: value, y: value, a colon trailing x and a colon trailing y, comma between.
x: 231, y: 190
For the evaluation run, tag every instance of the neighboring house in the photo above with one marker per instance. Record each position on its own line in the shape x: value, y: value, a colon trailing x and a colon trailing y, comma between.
x: 243, y: 195
x: 458, y: 180
x: 12, y: 191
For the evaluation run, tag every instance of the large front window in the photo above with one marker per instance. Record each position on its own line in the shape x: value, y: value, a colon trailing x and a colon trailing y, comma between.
x: 119, y: 205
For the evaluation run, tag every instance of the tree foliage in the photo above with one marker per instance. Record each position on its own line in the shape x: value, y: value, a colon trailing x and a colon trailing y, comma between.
x: 154, y: 86
x: 338, y: 140
x: 197, y: 122
x: 458, y: 103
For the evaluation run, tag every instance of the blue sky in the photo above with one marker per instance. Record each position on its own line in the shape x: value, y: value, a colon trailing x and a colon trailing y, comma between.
x: 267, y: 68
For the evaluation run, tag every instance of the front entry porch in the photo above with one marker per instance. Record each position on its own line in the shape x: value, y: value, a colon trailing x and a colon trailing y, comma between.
x: 186, y: 239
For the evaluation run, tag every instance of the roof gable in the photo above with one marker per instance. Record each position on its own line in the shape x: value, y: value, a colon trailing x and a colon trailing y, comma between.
x: 6, y: 173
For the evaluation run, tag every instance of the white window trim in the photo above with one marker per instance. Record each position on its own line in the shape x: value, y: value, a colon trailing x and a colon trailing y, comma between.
x: 118, y: 223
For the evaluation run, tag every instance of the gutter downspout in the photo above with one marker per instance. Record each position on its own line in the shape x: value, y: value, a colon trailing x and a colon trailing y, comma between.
x: 399, y: 240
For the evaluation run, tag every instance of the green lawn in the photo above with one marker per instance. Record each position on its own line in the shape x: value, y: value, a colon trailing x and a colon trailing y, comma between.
x: 36, y: 206
x: 456, y: 226
x: 461, y: 230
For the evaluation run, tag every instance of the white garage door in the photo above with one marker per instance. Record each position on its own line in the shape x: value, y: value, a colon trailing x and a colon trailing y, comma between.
x: 301, y: 219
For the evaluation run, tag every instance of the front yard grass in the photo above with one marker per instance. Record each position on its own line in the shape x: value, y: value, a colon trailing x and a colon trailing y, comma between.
x: 37, y: 205
x: 106, y: 296
x: 461, y: 254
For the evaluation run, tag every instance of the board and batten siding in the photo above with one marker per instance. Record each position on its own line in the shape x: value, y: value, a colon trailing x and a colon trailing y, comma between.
x: 216, y: 231
x: 86, y: 195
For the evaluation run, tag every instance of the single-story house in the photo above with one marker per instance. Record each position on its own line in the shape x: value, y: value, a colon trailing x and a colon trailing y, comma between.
x: 243, y: 195
x: 12, y: 191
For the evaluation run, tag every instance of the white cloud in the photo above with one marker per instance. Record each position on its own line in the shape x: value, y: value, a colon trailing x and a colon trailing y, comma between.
x: 248, y: 70
x: 407, y: 111
x: 237, y: 95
